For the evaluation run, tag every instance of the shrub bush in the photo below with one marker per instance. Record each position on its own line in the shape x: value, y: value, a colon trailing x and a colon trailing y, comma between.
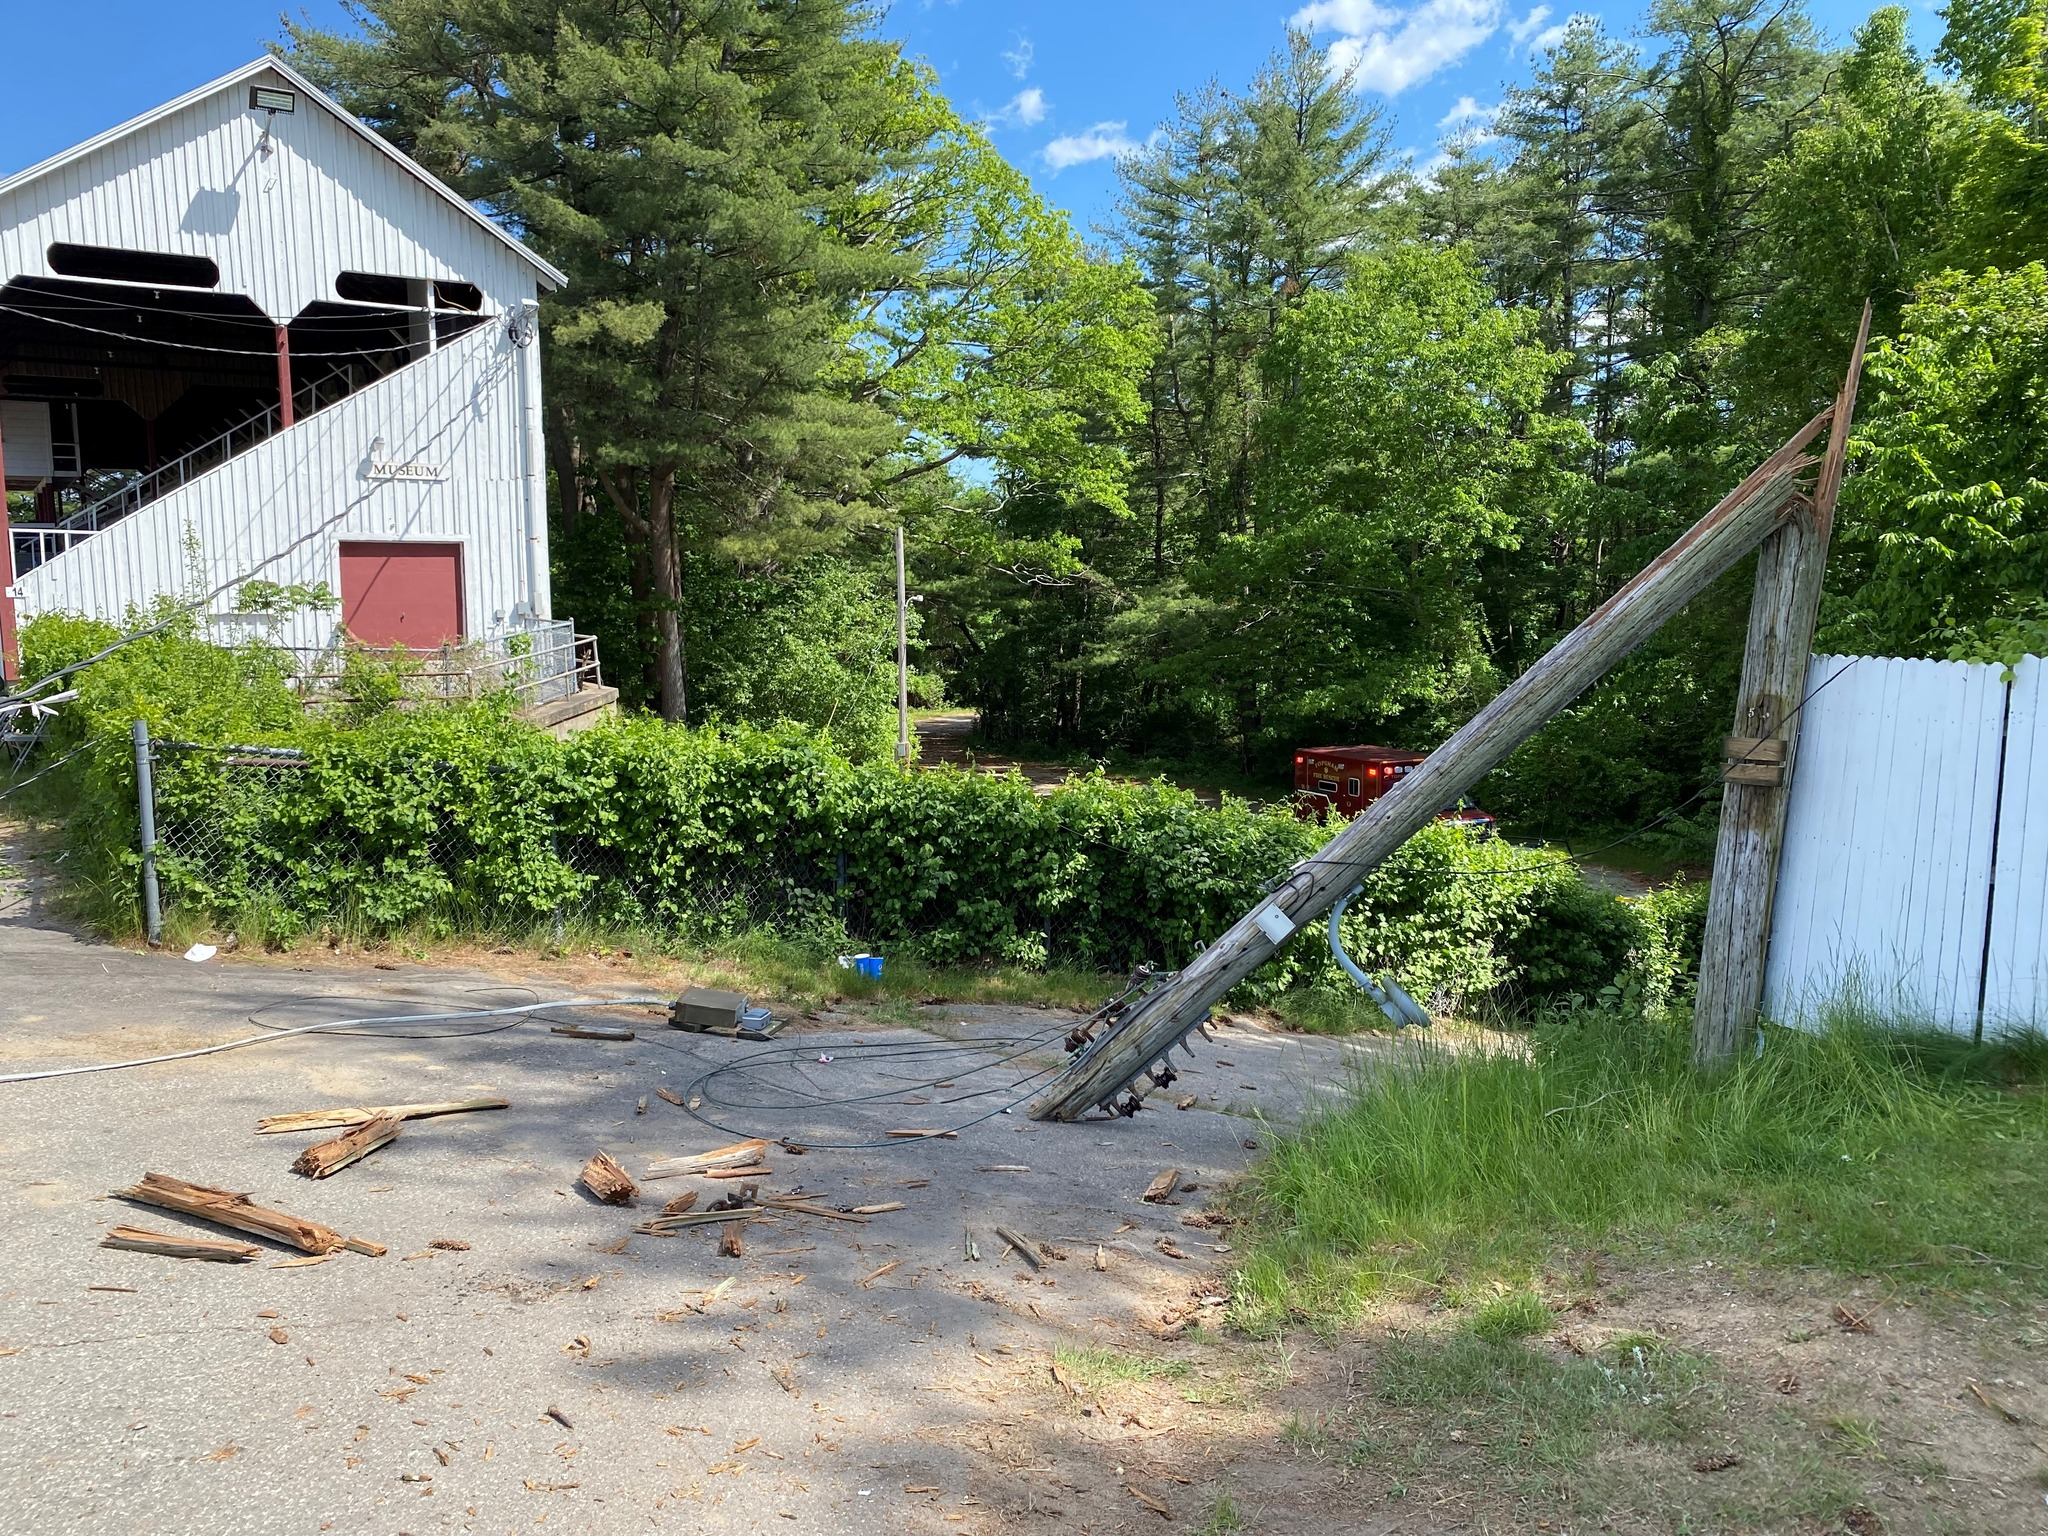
x: 466, y: 819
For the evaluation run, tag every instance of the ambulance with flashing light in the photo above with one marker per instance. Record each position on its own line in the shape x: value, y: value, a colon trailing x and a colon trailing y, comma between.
x: 1348, y: 779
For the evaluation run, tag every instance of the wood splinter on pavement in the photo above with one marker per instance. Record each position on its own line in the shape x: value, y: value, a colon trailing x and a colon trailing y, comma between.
x: 604, y: 1178
x: 348, y: 1118
x: 888, y: 1268
x: 741, y: 1154
x: 330, y: 1157
x: 232, y: 1209
x: 173, y: 1246
x: 612, y: 1032
x: 1162, y: 1189
x: 1023, y: 1247
x: 731, y: 1243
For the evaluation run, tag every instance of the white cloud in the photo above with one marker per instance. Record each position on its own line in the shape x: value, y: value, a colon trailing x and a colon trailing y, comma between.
x: 1469, y: 111
x: 1390, y: 49
x: 1549, y: 37
x: 1521, y: 31
x: 1026, y: 109
x: 1019, y: 54
x: 1105, y: 141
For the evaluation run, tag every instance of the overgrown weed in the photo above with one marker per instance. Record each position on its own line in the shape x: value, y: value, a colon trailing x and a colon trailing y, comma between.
x: 1857, y: 1147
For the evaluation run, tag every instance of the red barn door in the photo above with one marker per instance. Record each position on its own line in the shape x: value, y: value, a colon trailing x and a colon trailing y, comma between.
x: 402, y: 594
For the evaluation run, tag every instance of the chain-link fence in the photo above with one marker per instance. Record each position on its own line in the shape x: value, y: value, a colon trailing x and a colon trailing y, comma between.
x: 239, y: 842
x: 234, y: 837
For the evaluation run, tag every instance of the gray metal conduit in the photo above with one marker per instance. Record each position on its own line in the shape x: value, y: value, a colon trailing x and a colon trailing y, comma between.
x: 1393, y: 1001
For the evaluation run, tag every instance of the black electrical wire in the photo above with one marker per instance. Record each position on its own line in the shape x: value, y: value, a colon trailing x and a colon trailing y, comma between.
x: 329, y: 1026
x: 700, y: 1090
x: 21, y: 784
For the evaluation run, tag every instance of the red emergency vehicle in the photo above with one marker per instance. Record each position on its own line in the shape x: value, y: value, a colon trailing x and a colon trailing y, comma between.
x: 1348, y: 779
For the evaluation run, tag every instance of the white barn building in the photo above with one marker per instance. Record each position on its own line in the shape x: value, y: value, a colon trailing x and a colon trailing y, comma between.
x: 245, y: 339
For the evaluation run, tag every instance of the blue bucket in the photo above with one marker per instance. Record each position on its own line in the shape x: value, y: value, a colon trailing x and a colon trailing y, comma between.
x: 869, y: 966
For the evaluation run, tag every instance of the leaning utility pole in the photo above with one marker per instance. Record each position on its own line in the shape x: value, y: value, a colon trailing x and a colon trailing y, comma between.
x: 1139, y: 1042
x: 1783, y: 610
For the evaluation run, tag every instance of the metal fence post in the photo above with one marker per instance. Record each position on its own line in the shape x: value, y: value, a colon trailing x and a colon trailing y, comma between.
x: 145, y: 810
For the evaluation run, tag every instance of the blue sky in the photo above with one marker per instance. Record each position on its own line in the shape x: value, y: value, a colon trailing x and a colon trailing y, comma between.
x: 1064, y: 84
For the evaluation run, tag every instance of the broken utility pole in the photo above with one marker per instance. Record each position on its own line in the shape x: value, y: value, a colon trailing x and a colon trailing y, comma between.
x: 1155, y: 1023
x: 1760, y: 755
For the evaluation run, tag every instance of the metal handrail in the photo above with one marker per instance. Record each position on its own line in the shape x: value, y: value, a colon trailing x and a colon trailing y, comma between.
x: 90, y: 518
x: 33, y: 545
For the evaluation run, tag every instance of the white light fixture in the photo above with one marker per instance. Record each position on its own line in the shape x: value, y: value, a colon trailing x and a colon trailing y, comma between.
x: 264, y: 98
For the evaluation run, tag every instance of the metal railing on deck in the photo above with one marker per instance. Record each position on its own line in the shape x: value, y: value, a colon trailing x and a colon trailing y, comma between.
x: 537, y: 664
x: 34, y: 543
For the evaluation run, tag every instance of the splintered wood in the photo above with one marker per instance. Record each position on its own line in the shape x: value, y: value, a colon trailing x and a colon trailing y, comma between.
x: 330, y: 1157
x: 1161, y: 1190
x: 604, y: 1178
x: 173, y: 1246
x: 741, y: 1154
x: 348, y: 1118
x: 668, y: 1226
x: 231, y: 1209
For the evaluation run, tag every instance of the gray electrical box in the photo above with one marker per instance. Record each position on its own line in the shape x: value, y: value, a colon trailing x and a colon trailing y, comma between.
x: 704, y: 1009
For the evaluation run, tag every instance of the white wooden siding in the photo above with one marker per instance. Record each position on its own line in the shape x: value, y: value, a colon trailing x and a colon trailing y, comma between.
x: 1886, y: 873
x: 280, y: 227
x: 2016, y: 969
x: 280, y: 510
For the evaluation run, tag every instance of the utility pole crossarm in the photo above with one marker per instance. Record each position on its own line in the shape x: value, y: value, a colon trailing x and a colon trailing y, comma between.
x: 1159, y: 1021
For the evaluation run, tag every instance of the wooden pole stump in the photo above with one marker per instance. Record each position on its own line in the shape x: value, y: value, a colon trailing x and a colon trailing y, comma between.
x: 1760, y: 756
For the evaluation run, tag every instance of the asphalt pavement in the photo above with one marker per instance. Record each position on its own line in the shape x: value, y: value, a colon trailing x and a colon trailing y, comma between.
x: 546, y: 1368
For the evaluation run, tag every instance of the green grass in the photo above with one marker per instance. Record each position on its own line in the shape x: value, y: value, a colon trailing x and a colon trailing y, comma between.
x: 1094, y: 1369
x: 1326, y: 1010
x: 1528, y: 1412
x: 1517, y: 1315
x: 1857, y: 1149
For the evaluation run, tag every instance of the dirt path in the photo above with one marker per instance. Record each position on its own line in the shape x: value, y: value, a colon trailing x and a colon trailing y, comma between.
x: 942, y: 739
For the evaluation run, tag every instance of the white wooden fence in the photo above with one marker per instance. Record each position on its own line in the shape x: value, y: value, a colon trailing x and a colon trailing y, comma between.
x: 1914, y: 877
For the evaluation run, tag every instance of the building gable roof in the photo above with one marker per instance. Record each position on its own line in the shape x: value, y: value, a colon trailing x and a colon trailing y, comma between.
x: 550, y: 275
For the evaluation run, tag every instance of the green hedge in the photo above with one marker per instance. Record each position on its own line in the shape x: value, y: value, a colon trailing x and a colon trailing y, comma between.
x: 467, y: 820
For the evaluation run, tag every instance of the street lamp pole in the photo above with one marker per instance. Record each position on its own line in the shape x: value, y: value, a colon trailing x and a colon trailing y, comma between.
x: 902, y: 659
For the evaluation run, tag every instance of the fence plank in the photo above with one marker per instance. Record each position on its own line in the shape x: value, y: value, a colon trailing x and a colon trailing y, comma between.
x: 1887, y: 866
x: 2016, y: 973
